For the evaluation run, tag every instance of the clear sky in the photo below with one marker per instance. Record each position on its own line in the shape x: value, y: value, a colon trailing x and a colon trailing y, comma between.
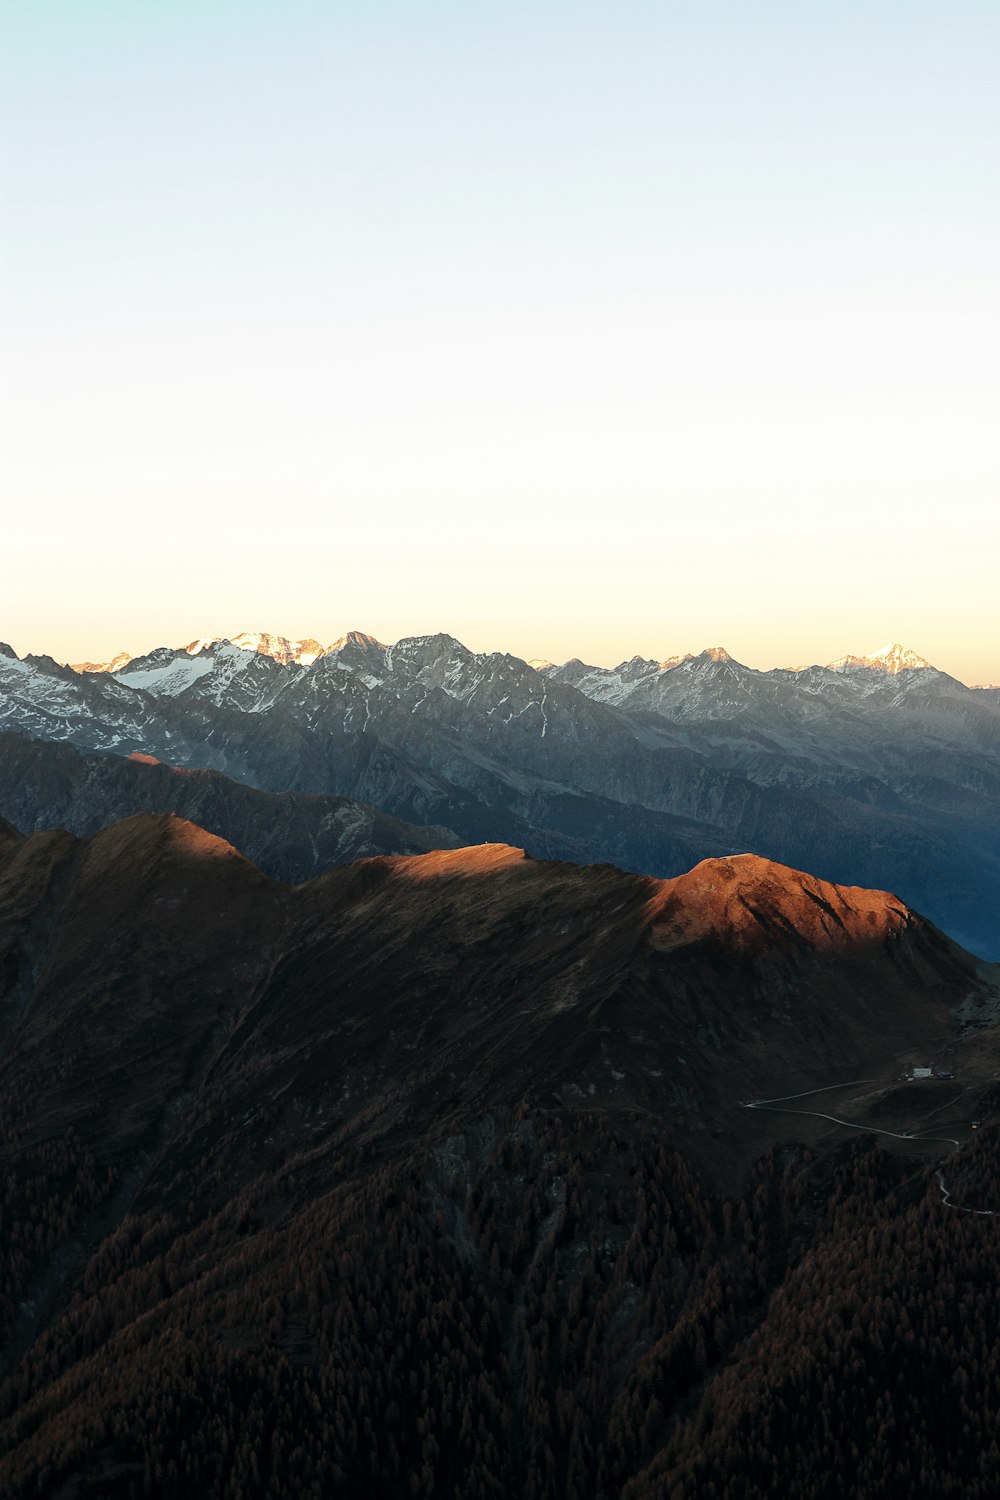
x: 569, y: 328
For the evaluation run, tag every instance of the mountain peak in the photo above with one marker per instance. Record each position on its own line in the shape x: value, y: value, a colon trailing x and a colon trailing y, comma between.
x: 114, y: 665
x: 896, y: 657
x: 279, y: 648
x: 423, y: 650
x: 135, y: 840
x: 892, y: 658
x: 711, y: 655
x: 757, y: 900
x: 356, y: 638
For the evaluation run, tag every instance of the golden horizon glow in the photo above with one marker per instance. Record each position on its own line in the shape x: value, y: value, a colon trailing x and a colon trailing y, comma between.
x: 571, y: 330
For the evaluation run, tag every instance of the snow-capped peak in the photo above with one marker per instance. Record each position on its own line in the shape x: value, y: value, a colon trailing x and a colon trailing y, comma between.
x: 114, y: 665
x: 635, y: 668
x: 893, y: 658
x: 279, y: 648
x: 714, y: 654
x: 356, y: 638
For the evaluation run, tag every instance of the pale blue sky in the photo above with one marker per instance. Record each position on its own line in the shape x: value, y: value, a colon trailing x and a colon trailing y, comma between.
x: 566, y: 328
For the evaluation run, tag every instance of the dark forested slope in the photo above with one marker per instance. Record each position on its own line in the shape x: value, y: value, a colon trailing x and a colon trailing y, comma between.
x: 430, y: 1177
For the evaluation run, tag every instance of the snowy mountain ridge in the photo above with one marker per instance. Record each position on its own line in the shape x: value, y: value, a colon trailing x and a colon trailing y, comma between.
x: 891, y: 659
x: 255, y: 671
x: 885, y: 775
x: 278, y: 647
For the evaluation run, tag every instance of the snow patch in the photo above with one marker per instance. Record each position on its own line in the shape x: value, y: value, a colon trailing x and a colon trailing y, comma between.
x: 169, y: 680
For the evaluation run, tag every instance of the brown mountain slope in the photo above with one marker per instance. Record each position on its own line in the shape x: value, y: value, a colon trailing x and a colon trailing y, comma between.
x: 235, y: 1115
x: 153, y: 952
x: 753, y: 901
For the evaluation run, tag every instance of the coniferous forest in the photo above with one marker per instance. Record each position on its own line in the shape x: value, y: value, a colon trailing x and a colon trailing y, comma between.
x: 433, y: 1180
x: 583, y: 1321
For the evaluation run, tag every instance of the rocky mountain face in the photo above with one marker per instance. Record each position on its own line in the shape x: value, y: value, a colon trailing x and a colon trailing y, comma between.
x: 114, y: 665
x: 878, y: 770
x: 431, y: 1176
x: 278, y: 647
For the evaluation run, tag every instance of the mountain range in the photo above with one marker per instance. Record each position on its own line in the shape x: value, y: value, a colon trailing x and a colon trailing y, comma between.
x: 880, y: 771
x: 892, y: 658
x: 432, y: 1176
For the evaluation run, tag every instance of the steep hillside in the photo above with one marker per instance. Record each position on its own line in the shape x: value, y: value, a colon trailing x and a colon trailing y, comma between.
x: 456, y: 1137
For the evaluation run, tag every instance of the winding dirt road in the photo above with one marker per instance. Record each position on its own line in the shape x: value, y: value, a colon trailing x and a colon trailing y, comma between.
x: 776, y: 1106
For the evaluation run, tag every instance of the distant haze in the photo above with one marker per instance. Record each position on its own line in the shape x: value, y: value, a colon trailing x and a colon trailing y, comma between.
x: 571, y: 330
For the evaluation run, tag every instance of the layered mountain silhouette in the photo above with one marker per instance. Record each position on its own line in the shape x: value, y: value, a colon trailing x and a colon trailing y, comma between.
x: 50, y: 784
x: 430, y: 1176
x: 875, y: 770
